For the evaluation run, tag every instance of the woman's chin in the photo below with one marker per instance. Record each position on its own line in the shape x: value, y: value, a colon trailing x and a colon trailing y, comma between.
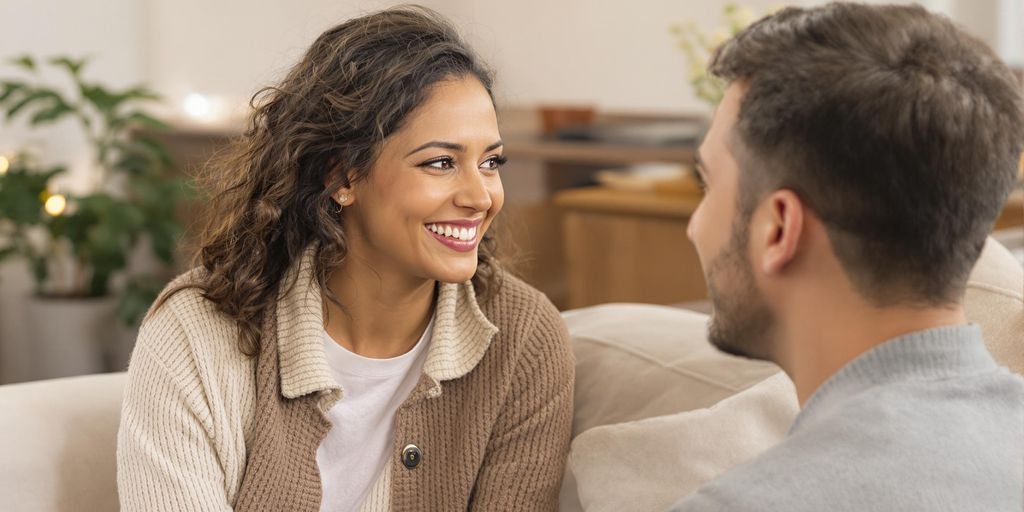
x: 455, y: 275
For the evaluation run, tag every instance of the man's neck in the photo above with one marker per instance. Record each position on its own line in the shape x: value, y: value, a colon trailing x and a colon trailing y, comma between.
x: 815, y: 347
x: 385, y: 314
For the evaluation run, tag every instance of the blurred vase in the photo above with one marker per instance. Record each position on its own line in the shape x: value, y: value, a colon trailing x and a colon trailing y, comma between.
x: 554, y: 118
x: 69, y: 336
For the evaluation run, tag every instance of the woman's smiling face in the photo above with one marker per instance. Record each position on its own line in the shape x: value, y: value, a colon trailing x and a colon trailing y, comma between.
x: 434, y: 189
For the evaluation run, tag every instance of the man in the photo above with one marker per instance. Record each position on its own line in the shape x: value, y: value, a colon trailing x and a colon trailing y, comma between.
x: 853, y: 171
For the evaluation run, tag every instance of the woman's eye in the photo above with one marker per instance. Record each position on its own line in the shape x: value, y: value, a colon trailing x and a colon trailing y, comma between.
x: 442, y: 164
x: 494, y: 163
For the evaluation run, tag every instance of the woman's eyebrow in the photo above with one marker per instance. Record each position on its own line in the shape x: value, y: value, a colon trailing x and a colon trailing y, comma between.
x: 452, y: 146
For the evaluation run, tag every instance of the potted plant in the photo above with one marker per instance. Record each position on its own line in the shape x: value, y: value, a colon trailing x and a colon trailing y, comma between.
x: 698, y: 46
x: 78, y: 246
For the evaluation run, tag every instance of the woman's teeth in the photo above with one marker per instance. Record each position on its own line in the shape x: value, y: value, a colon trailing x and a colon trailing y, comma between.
x: 464, y: 234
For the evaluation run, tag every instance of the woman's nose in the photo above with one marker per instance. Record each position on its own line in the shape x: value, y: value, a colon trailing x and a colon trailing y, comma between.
x: 473, y: 192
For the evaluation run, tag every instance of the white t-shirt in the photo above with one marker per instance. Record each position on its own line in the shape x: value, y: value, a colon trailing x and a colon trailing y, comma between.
x: 359, y: 443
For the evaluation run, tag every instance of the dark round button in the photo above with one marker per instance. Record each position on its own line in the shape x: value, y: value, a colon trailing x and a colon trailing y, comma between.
x: 411, y: 456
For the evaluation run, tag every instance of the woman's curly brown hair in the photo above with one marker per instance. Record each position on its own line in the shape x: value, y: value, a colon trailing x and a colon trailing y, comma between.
x: 324, y: 123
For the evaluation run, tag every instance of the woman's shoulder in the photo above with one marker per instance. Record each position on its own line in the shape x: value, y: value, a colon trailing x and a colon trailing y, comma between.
x: 183, y: 299
x: 187, y: 352
x: 525, y: 313
x: 183, y: 324
x: 532, y: 336
x: 513, y: 292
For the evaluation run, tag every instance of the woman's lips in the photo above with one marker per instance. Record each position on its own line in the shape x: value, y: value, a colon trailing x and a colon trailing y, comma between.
x: 460, y: 236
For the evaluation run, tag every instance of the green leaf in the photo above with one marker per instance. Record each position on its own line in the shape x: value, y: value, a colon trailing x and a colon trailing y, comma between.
x: 102, y: 99
x: 20, y: 193
x: 9, y: 88
x: 99, y: 283
x: 142, y: 119
x: 52, y: 114
x: 39, y: 271
x: 73, y: 66
x: 154, y: 148
x: 125, y: 218
x: 107, y: 101
x: 164, y: 236
x: 141, y: 155
x: 139, y: 294
x: 36, y: 96
x: 24, y: 62
x: 24, y: 102
x: 139, y: 92
x: 133, y: 164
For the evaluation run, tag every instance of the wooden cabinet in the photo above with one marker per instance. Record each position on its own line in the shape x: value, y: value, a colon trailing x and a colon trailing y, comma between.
x: 625, y: 246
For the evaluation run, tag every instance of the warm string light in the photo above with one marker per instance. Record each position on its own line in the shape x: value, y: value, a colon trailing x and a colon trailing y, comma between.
x: 5, y: 163
x: 55, y: 204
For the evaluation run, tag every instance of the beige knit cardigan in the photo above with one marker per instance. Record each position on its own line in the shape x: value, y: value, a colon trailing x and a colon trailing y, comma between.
x: 204, y: 427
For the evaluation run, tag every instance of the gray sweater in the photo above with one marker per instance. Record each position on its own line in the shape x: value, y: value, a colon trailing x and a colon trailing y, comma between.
x: 923, y: 422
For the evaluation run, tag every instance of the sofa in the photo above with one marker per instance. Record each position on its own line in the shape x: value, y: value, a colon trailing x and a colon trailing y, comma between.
x: 658, y: 411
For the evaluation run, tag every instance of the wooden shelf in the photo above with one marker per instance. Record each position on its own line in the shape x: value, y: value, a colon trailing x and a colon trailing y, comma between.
x: 594, y: 153
x: 624, y: 202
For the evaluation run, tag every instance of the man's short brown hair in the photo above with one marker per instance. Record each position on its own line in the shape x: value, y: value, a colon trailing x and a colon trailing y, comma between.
x: 900, y: 131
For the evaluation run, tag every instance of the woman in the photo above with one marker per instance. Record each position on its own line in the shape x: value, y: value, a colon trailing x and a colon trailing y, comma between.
x: 349, y: 341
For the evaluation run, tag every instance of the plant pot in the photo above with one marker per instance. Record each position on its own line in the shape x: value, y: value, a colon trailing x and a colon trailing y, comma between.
x: 69, y: 336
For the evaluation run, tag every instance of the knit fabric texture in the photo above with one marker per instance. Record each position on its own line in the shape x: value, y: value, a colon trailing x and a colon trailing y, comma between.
x: 204, y: 427
x: 926, y: 422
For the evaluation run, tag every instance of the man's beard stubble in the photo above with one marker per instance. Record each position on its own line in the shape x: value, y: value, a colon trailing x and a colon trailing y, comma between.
x: 741, y: 322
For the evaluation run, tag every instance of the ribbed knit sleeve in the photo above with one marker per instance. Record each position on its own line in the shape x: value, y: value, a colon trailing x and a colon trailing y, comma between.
x: 165, y: 454
x: 526, y: 454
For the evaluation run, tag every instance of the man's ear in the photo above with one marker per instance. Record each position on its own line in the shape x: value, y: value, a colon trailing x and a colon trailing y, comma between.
x: 781, y: 231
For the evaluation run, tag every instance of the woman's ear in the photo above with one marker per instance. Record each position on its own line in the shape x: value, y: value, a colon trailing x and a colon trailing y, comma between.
x: 340, y: 185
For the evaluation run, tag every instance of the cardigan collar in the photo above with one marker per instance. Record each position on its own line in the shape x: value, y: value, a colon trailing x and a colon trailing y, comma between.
x: 461, y: 333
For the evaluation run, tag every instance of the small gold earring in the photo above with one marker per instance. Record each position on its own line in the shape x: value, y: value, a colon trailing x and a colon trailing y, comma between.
x: 341, y: 202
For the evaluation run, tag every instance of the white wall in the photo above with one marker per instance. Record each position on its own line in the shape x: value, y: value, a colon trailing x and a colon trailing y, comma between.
x: 228, y: 49
x: 1011, y: 31
x: 612, y: 54
x: 616, y: 55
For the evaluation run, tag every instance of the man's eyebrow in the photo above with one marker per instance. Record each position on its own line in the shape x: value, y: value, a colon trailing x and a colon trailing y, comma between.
x: 701, y: 172
x: 699, y: 162
x: 452, y: 146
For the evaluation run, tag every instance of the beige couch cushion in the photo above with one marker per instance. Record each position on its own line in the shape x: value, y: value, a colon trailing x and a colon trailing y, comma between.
x: 995, y: 301
x: 636, y: 361
x: 643, y: 465
x: 58, y: 441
